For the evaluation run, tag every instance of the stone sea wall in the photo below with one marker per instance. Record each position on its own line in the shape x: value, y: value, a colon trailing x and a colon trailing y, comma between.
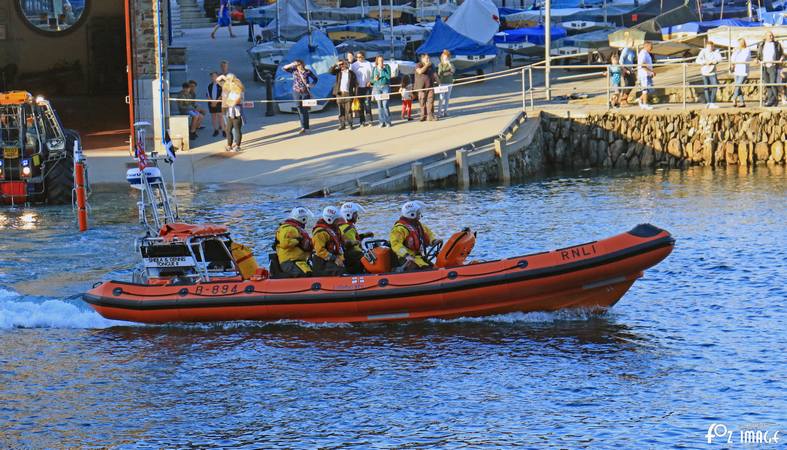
x: 664, y: 139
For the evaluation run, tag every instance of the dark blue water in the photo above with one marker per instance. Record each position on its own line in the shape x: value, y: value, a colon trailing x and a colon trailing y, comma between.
x: 700, y: 340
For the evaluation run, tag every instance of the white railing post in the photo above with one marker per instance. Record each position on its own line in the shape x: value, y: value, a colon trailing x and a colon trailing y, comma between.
x: 685, y: 69
x: 530, y: 76
x: 524, y: 101
x: 609, y: 99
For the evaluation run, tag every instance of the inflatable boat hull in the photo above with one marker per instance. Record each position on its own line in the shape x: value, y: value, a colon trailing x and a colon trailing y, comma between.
x: 592, y: 276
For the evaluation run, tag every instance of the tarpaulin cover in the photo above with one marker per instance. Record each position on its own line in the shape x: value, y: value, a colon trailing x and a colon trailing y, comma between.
x: 534, y: 35
x: 444, y: 37
x: 476, y: 19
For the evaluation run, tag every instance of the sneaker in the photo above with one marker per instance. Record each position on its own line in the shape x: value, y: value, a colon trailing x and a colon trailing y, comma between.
x: 193, y: 136
x: 713, y: 106
x: 303, y: 131
x: 342, y: 127
x: 236, y: 148
x: 215, y: 133
x: 227, y: 148
x: 382, y: 125
x: 647, y: 107
x: 224, y: 133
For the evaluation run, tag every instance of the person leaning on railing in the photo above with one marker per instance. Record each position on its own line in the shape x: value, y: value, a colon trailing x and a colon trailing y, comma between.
x: 770, y: 55
x: 741, y: 57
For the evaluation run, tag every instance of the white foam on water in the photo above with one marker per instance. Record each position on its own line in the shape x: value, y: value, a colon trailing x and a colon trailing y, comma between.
x: 249, y: 324
x: 574, y: 314
x: 18, y: 313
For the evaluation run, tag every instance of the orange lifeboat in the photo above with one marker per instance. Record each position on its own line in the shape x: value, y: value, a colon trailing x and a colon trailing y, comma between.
x: 594, y: 275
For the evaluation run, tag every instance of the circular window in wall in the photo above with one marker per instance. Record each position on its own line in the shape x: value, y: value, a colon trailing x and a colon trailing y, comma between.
x: 52, y: 16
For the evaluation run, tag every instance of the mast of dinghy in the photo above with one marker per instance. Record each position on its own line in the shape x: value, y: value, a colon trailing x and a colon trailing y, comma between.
x: 379, y: 16
x: 278, y: 20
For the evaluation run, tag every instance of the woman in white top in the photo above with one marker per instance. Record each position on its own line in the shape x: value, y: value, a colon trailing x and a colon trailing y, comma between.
x: 232, y: 96
x: 741, y: 57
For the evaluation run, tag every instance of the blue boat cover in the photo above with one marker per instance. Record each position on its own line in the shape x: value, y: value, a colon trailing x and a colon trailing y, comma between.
x: 535, y: 35
x: 701, y: 27
x: 320, y: 57
x: 773, y: 17
x: 503, y: 12
x: 444, y: 37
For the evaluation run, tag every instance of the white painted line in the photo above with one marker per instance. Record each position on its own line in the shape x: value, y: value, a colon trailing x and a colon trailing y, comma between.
x: 606, y: 282
x: 403, y: 315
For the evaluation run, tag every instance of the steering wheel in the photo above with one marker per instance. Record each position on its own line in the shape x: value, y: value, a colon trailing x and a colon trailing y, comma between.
x: 432, y: 251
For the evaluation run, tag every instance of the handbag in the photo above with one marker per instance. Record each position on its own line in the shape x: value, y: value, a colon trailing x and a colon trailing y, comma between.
x: 356, y: 106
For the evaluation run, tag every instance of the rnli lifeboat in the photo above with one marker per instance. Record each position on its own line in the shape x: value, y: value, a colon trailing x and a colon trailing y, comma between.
x: 197, y: 274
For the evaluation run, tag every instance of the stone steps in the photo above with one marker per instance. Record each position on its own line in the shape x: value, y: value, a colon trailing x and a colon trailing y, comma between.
x: 192, y: 15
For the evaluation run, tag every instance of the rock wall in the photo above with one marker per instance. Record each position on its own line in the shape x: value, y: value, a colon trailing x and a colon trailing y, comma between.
x: 675, y: 139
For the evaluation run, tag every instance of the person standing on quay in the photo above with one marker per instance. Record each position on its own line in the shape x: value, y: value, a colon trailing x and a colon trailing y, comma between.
x: 708, y: 58
x: 302, y: 81
x: 406, y: 91
x: 214, y: 107
x: 363, y: 73
x: 232, y: 96
x: 445, y: 75
x: 223, y: 19
x: 381, y: 86
x: 770, y: 54
x: 346, y: 86
x: 645, y: 74
x: 741, y: 57
x: 628, y: 58
x: 615, y: 75
x: 424, y: 81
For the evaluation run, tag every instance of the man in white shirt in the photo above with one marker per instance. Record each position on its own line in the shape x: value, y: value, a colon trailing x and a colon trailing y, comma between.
x: 770, y: 54
x: 645, y: 73
x: 707, y: 59
x: 363, y: 73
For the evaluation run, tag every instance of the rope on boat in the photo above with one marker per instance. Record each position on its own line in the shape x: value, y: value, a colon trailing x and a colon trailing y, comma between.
x: 315, y: 287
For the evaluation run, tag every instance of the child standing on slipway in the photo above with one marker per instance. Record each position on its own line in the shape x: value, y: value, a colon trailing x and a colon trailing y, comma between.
x: 407, y: 97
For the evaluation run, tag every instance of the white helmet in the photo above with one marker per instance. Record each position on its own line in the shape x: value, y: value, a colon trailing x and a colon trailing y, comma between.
x: 330, y: 214
x: 349, y: 209
x: 412, y: 210
x: 301, y: 214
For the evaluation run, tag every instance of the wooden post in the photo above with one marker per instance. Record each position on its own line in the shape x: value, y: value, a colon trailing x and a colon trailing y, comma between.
x: 462, y: 169
x: 501, y: 150
x: 418, y: 176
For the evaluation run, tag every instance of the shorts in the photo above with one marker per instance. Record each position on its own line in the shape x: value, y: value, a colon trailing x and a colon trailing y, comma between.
x: 194, y: 113
x: 647, y: 85
x: 214, y: 109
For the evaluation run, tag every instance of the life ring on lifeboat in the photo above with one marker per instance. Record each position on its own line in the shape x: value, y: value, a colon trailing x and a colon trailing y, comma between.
x: 456, y: 249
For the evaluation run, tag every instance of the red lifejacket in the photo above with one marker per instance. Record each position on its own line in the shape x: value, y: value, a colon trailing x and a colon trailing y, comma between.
x: 335, y: 244
x: 306, y: 240
x: 416, y: 238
